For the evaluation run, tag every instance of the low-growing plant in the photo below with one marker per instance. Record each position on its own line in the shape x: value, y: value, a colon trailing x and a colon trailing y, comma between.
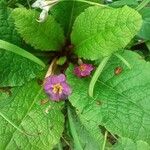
x: 74, y: 74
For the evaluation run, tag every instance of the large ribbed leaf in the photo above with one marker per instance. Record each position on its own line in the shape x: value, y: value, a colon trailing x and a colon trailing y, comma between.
x: 99, y: 32
x: 26, y: 122
x: 47, y: 36
x: 121, y: 102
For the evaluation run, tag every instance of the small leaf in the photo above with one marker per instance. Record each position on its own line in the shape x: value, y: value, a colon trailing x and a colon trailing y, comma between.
x: 47, y: 36
x: 26, y: 123
x: 99, y: 32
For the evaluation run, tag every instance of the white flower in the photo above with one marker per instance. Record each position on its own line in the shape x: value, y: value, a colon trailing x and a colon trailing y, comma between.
x: 109, y: 1
x: 45, y: 6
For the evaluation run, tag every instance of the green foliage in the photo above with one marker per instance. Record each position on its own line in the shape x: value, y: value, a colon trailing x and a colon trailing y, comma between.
x: 66, y: 13
x: 121, y: 102
x: 87, y: 138
x: 96, y: 31
x: 14, y: 69
x: 25, y: 122
x: 128, y: 144
x: 47, y: 36
x: 17, y: 70
x: 145, y: 32
x: 7, y: 31
x: 115, y: 117
x: 132, y: 3
x: 17, y: 50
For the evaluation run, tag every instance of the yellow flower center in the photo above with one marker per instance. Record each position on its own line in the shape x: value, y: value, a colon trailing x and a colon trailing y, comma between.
x: 57, y: 88
x: 82, y: 67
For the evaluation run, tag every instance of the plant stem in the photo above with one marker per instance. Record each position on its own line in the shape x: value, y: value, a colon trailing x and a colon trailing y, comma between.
x: 89, y: 2
x: 28, y: 4
x: 51, y: 68
x: 73, y: 130
x: 60, y: 146
x: 123, y: 60
x: 142, y: 5
x: 105, y: 139
x: 97, y: 74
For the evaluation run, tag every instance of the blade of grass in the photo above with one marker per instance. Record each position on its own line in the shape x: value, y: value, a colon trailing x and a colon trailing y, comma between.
x: 142, y: 5
x: 97, y: 74
x: 123, y: 60
x: 73, y: 130
x: 19, y: 51
x: 105, y: 139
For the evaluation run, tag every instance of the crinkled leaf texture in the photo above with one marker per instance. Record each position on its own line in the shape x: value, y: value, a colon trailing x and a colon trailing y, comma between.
x: 88, y: 138
x: 99, y: 32
x: 14, y: 69
x: 46, y: 36
x: 120, y: 3
x: 121, y: 102
x: 7, y: 31
x: 25, y: 122
x: 144, y: 33
x: 128, y: 144
x: 66, y: 12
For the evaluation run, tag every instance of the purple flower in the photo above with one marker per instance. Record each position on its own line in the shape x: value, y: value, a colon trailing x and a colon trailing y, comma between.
x: 83, y: 70
x: 56, y: 87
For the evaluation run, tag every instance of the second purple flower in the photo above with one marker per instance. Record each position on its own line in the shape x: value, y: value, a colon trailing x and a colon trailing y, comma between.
x: 83, y: 70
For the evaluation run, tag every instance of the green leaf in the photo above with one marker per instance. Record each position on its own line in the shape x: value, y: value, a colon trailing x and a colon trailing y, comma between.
x: 145, y: 32
x: 66, y: 12
x: 121, y: 100
x: 26, y: 122
x: 14, y: 69
x: 96, y: 31
x: 17, y: 50
x: 148, y: 45
x: 128, y: 144
x: 86, y: 135
x: 47, y: 36
x: 7, y: 31
x: 132, y: 3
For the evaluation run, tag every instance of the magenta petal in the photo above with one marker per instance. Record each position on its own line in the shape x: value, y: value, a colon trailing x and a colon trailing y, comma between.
x: 63, y: 97
x: 61, y: 78
x: 55, y: 97
x: 66, y: 88
x: 77, y: 72
x: 51, y: 79
x: 90, y: 67
x: 58, y: 79
x: 47, y: 85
